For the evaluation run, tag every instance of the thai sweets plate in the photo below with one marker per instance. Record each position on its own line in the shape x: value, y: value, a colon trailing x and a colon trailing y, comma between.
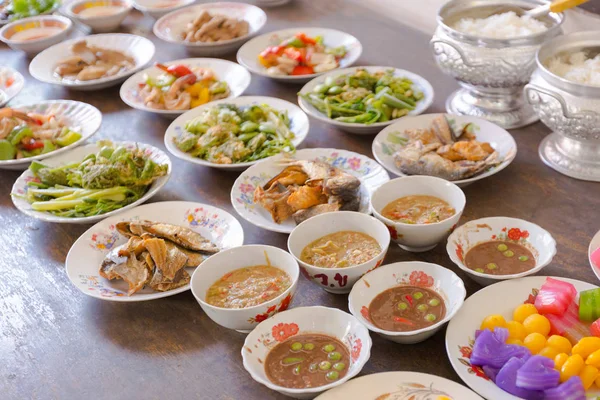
x: 176, y: 237
x: 11, y: 83
x: 280, y: 192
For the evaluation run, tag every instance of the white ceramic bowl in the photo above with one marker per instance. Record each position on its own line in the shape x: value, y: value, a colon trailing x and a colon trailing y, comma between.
x: 338, y: 280
x: 236, y: 76
x: 298, y: 125
x: 248, y: 53
x: 385, y: 143
x: 19, y: 189
x: 244, y: 319
x: 90, y: 249
x: 11, y: 84
x: 141, y: 49
x: 170, y: 27
x: 159, y: 8
x: 594, y: 244
x: 306, y: 320
x: 100, y: 23
x: 83, y: 118
x: 16, y: 34
x: 410, y: 273
x: 536, y: 239
x: 419, y: 83
x: 412, y: 237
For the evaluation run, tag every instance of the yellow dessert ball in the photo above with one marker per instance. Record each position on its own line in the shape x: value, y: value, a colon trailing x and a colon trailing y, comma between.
x: 560, y: 343
x: 559, y: 360
x: 514, y: 341
x: 523, y: 311
x: 537, y: 323
x: 549, y: 352
x: 535, y: 342
x: 571, y: 367
x: 493, y: 321
x: 516, y: 330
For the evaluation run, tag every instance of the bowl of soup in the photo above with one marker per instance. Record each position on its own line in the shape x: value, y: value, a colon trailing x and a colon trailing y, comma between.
x: 407, y: 302
x: 306, y: 351
x: 159, y: 8
x: 100, y: 15
x: 34, y: 34
x: 245, y: 285
x: 419, y: 211
x: 335, y: 249
x: 498, y: 248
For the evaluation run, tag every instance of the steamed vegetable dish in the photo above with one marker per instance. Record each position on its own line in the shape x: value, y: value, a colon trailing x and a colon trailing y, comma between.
x: 180, y: 87
x: 499, y: 258
x: 155, y: 255
x: 11, y: 10
x: 549, y: 349
x: 341, y: 250
x: 24, y: 135
x: 110, y: 179
x: 209, y: 28
x: 307, y: 361
x: 365, y: 97
x: 228, y: 134
x: 418, y: 209
x: 301, y: 55
x: 406, y: 308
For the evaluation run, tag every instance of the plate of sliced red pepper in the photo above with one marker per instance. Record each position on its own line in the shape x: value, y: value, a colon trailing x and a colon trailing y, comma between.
x: 299, y: 54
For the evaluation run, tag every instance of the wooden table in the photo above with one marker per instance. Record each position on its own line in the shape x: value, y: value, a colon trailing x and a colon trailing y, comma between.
x: 57, y: 343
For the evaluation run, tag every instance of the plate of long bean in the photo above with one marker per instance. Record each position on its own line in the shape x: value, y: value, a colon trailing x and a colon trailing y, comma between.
x: 363, y: 100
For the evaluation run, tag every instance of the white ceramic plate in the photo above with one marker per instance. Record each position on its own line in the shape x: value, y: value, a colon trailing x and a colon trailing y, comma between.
x: 236, y: 76
x: 80, y: 117
x: 500, y: 298
x: 19, y: 189
x: 594, y: 244
x: 298, y: 125
x: 11, y: 83
x: 170, y: 27
x: 248, y: 54
x: 485, y: 131
x: 399, y: 385
x: 371, y: 175
x: 86, y: 254
x: 419, y: 83
x: 141, y: 49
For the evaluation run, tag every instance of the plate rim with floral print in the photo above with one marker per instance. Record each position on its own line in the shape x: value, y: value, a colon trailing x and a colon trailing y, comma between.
x: 88, y: 251
x: 14, y: 88
x: 594, y: 244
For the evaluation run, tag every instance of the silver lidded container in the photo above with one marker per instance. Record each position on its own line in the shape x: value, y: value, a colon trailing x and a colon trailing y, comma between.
x: 571, y: 110
x: 492, y: 72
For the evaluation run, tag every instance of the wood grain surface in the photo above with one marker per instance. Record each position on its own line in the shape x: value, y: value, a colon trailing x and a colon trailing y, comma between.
x: 57, y: 343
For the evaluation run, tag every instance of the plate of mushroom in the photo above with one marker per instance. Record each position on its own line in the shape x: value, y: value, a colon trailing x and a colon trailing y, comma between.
x: 95, y: 62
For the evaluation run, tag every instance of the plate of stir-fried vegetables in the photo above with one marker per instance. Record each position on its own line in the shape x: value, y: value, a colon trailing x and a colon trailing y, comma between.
x: 237, y: 133
x: 363, y: 100
x: 91, y: 182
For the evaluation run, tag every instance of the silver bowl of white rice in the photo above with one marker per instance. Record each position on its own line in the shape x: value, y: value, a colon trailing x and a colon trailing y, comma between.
x: 489, y: 47
x: 565, y: 93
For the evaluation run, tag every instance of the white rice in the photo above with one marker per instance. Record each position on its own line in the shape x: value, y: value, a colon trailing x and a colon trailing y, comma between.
x: 501, y: 26
x: 577, y: 68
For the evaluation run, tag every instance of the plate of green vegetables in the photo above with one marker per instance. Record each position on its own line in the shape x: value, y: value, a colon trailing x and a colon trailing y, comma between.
x: 91, y: 182
x: 236, y: 133
x: 363, y: 100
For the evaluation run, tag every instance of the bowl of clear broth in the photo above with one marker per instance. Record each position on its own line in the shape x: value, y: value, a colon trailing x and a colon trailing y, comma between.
x: 34, y: 34
x: 335, y: 249
x: 419, y: 211
x: 245, y: 285
x: 306, y: 351
x: 407, y: 302
x: 499, y: 248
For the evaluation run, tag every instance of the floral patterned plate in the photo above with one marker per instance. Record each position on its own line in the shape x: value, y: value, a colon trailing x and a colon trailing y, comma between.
x: 11, y: 83
x: 371, y: 175
x: 389, y: 140
x: 594, y: 244
x: 500, y: 298
x: 86, y: 254
x: 400, y: 385
x: 536, y: 239
x: 327, y: 321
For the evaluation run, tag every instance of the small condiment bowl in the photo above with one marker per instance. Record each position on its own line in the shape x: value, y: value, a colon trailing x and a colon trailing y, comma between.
x: 244, y: 319
x: 15, y: 34
x: 423, y: 237
x: 159, y: 8
x: 410, y: 273
x: 338, y: 280
x: 306, y: 320
x: 99, y: 23
x: 533, y: 237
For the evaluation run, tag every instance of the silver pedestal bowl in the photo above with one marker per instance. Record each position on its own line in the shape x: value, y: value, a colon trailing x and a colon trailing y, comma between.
x: 571, y: 110
x: 492, y: 72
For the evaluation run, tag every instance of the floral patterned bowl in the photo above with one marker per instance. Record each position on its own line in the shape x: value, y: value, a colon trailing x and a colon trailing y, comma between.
x: 410, y: 273
x: 594, y: 245
x: 87, y: 253
x: 338, y: 280
x: 413, y: 237
x: 302, y: 320
x: 244, y: 319
x: 536, y: 239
